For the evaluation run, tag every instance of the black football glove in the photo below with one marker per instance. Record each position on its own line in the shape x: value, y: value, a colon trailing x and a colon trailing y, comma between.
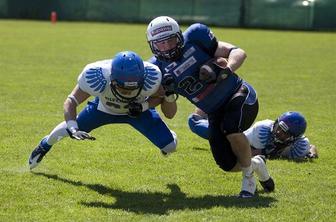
x: 168, y: 83
x: 211, y: 72
x: 134, y: 109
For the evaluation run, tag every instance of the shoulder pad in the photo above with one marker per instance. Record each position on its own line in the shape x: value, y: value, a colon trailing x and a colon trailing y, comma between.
x: 92, y: 80
x: 198, y: 32
x: 152, y: 79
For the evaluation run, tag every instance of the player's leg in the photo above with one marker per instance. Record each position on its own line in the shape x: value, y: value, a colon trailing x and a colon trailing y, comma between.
x: 225, y: 157
x: 243, y: 109
x: 46, y: 144
x: 88, y: 119
x: 199, y: 125
x: 259, y: 167
x: 232, y: 120
x: 152, y: 126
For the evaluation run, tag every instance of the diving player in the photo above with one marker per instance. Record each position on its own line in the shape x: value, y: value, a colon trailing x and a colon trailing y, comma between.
x: 126, y: 89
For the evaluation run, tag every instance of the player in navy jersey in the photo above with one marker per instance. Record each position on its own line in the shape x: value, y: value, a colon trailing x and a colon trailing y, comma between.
x: 193, y: 67
x: 126, y: 90
x: 280, y: 138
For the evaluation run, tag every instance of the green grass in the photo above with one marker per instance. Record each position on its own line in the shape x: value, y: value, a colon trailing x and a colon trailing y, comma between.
x: 121, y: 176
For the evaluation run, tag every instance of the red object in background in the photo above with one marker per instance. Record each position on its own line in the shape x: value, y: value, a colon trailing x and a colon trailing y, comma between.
x: 53, y: 17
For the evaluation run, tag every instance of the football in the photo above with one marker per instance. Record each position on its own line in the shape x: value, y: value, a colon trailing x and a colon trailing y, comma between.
x: 209, y: 71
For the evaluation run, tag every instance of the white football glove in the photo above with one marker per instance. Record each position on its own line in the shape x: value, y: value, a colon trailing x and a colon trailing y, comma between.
x: 81, y: 135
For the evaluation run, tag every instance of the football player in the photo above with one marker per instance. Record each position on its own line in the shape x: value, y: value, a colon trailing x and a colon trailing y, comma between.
x: 280, y: 138
x: 192, y: 68
x: 126, y: 90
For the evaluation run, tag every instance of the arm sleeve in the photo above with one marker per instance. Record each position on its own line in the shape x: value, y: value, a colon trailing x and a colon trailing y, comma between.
x: 299, y: 149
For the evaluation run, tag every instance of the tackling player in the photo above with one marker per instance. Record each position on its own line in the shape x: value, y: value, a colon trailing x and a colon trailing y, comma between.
x: 192, y: 69
x: 280, y: 138
x: 126, y: 90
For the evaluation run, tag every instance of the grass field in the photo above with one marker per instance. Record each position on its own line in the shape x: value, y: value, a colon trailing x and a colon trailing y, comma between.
x: 121, y: 176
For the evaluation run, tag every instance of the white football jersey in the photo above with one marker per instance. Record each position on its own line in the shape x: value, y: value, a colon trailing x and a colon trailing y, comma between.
x: 260, y: 137
x: 95, y: 80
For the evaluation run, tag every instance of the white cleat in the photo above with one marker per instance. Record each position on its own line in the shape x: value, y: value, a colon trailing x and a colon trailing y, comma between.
x: 249, y: 186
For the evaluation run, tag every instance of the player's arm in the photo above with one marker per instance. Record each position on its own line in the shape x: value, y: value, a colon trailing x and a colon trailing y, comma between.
x: 76, y: 97
x: 168, y: 103
x: 235, y: 56
x: 168, y: 106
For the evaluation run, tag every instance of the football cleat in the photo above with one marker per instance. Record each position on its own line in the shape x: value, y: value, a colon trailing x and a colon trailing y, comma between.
x: 259, y: 167
x: 268, y: 185
x: 249, y: 187
x: 36, y: 156
x: 245, y: 194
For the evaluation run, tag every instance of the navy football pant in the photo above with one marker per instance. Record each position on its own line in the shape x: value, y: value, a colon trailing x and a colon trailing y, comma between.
x: 234, y: 117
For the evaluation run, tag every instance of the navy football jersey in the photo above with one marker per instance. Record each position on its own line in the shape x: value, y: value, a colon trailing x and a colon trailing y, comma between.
x: 199, y: 46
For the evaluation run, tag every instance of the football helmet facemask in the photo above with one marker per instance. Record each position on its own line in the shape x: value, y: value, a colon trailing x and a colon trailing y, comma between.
x: 127, y: 76
x: 165, y: 38
x: 288, y: 127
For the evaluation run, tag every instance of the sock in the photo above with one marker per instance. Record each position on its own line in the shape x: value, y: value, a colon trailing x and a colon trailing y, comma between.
x: 260, y: 168
x: 247, y: 171
x: 58, y: 133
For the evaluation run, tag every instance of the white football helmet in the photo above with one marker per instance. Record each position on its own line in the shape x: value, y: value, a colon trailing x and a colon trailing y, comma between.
x: 162, y: 29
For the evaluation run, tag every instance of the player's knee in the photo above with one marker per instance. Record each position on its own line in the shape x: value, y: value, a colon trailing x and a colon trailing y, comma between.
x: 224, y: 157
x: 171, y: 147
x: 192, y: 122
x: 228, y: 128
x: 198, y: 125
x: 226, y: 167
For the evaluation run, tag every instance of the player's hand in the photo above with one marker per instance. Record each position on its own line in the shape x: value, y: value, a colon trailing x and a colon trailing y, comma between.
x: 168, y: 83
x: 312, y: 152
x: 212, y: 72
x: 134, y: 109
x: 81, y: 135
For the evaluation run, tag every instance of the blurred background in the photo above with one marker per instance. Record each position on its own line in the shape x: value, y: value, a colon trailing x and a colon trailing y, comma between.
x: 274, y: 14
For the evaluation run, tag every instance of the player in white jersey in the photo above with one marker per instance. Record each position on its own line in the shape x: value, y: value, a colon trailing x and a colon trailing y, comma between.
x: 126, y: 90
x: 282, y: 138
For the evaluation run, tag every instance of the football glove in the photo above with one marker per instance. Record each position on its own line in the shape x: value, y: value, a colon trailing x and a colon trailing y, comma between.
x: 168, y: 84
x: 134, y: 109
x: 80, y: 135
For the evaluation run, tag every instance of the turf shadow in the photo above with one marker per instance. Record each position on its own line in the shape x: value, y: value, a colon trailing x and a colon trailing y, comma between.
x: 161, y: 203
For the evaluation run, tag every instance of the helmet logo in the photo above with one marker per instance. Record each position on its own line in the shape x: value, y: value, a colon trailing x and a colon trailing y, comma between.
x: 283, y: 126
x: 131, y: 84
x: 161, y: 29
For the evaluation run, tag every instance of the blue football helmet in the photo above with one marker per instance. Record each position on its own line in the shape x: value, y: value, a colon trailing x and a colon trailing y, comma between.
x: 289, y: 126
x: 127, y: 75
